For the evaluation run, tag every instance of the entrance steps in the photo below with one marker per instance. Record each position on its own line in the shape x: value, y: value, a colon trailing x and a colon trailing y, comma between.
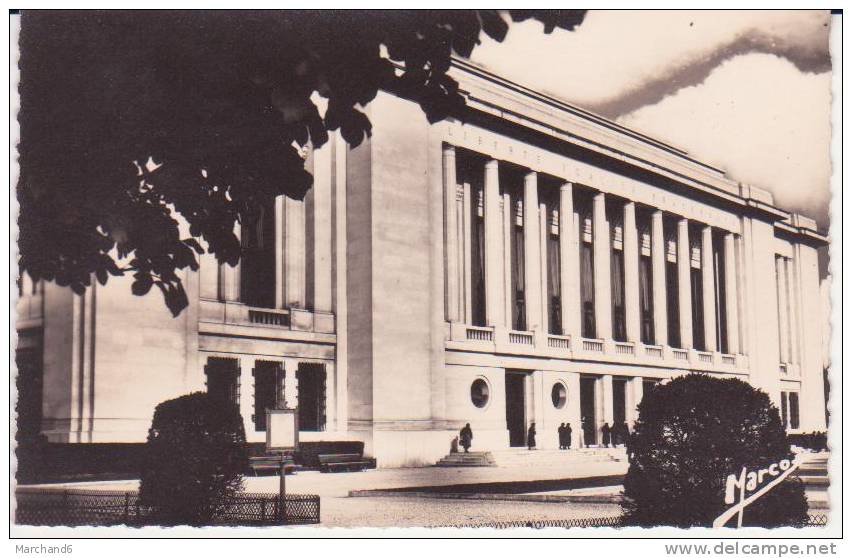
x: 471, y: 459
x: 522, y: 457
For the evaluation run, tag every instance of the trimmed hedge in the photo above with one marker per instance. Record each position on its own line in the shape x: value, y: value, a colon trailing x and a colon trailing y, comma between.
x: 694, y: 431
x: 194, y: 460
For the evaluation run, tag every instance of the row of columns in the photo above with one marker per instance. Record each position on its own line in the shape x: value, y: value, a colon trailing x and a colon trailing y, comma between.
x: 498, y: 310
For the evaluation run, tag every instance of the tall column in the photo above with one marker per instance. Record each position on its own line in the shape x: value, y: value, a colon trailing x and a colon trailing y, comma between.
x: 291, y: 383
x: 294, y: 253
x: 544, y: 224
x: 569, y: 261
x: 631, y: 272
x: 321, y: 229
x: 493, y: 257
x: 658, y: 273
x: 708, y: 286
x: 331, y: 424
x: 467, y: 200
x: 230, y: 277
x: 783, y: 337
x: 606, y: 390
x: 279, y: 252
x: 603, y: 291
x: 451, y: 241
x: 731, y: 310
x: 684, y: 287
x: 532, y: 253
x: 635, y: 389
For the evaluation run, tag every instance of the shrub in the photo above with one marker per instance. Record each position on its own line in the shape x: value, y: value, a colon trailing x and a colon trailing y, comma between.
x: 690, y: 435
x: 194, y: 460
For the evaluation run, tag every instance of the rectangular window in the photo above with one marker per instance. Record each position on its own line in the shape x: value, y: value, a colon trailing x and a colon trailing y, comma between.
x: 646, y: 300
x: 697, y: 282
x: 268, y: 390
x: 673, y: 304
x: 554, y: 296
x: 619, y: 328
x: 257, y: 259
x: 311, y: 382
x: 587, y: 277
x: 519, y: 309
x: 477, y: 249
x: 223, y: 380
x: 784, y: 422
x: 720, y: 294
x: 794, y: 410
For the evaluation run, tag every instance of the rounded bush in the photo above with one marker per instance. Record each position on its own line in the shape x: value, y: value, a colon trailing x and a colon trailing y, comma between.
x: 690, y: 435
x: 194, y: 460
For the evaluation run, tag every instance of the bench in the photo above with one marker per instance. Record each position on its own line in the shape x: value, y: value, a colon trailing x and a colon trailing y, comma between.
x: 343, y: 461
x: 273, y: 462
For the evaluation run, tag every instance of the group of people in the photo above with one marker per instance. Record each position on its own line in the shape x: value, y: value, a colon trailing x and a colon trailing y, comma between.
x: 610, y: 435
x: 614, y: 435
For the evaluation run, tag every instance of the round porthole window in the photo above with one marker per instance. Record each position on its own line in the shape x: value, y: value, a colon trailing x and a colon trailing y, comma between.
x: 479, y: 393
x: 559, y: 395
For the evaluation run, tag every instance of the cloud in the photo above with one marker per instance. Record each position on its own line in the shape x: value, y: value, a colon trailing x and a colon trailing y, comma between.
x: 759, y: 118
x: 616, y: 62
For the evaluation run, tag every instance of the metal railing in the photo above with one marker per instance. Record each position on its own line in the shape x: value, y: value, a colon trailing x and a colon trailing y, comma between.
x: 104, y: 508
x: 814, y: 520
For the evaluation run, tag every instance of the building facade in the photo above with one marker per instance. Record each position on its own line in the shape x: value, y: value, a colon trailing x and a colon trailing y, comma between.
x: 532, y: 263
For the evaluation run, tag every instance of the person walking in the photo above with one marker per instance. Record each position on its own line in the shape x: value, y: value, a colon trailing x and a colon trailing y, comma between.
x: 466, y: 437
x: 568, y: 434
x: 561, y: 431
x: 606, y: 434
x: 531, y: 437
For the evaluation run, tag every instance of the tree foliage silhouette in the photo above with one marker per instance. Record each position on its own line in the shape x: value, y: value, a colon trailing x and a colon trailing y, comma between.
x: 690, y: 435
x: 129, y: 118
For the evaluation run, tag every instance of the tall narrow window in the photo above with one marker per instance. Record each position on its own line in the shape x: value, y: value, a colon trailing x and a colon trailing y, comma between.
x: 721, y: 294
x: 257, y: 260
x: 519, y: 309
x: 554, y: 294
x: 587, y: 275
x: 268, y: 390
x: 794, y: 410
x: 477, y: 248
x: 672, y: 288
x: 697, y: 285
x: 646, y: 285
x: 223, y: 380
x: 311, y: 382
x: 619, y: 321
x: 784, y: 420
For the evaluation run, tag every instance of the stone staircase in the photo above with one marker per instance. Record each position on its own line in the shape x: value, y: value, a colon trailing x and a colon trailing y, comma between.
x: 814, y: 475
x: 471, y: 459
x: 521, y: 457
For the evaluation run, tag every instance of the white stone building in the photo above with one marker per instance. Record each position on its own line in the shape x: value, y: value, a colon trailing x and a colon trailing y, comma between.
x: 533, y: 263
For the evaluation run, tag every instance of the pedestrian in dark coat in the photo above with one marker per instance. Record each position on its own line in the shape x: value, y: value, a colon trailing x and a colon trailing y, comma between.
x: 561, y: 431
x: 568, y: 434
x: 466, y: 437
x: 625, y: 433
x: 606, y: 432
x: 531, y: 437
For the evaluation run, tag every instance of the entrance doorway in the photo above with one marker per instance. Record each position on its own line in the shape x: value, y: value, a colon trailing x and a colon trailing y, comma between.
x: 588, y: 418
x: 516, y: 408
x: 311, y: 378
x: 619, y: 400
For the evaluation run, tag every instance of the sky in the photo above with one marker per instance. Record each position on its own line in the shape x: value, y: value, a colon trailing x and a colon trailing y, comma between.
x: 748, y: 92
